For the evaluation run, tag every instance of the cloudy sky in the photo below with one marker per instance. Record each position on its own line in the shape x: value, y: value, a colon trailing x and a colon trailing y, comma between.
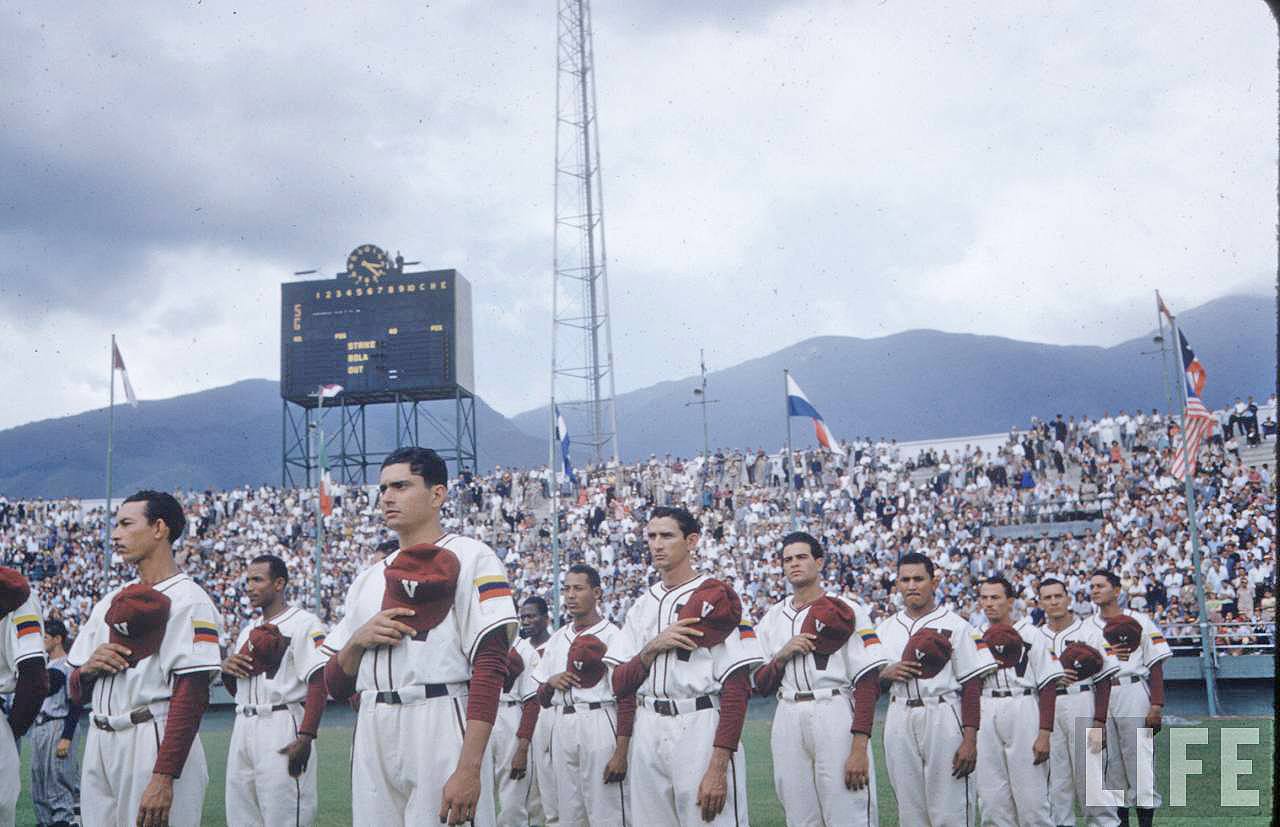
x: 773, y: 171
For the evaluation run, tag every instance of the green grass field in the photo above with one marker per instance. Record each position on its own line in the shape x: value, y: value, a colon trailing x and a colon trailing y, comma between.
x: 1202, y: 790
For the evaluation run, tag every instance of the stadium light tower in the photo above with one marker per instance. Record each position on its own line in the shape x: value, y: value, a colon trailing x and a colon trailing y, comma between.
x: 582, y: 382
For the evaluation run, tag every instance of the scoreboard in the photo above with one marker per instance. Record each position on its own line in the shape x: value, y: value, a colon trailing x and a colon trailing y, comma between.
x: 379, y: 336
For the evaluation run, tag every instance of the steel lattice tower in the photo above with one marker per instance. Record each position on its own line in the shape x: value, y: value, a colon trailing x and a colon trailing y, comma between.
x: 582, y: 383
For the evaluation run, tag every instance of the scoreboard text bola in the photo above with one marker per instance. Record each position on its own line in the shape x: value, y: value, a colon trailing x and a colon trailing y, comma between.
x: 378, y: 334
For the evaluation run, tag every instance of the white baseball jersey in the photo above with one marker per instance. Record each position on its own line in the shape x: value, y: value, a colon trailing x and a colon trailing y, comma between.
x: 524, y: 686
x: 1039, y: 665
x: 21, y: 639
x: 1082, y: 631
x: 302, y: 658
x: 969, y: 654
x: 518, y: 803
x: 555, y: 659
x: 481, y: 604
x: 190, y: 646
x: 1154, y: 647
x: 118, y: 764
x: 861, y: 654
x: 706, y: 668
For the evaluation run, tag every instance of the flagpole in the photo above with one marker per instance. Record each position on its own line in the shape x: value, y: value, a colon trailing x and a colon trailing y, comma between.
x: 318, y: 554
x: 555, y: 519
x: 1208, y: 663
x: 1164, y: 359
x: 111, y: 427
x: 787, y: 470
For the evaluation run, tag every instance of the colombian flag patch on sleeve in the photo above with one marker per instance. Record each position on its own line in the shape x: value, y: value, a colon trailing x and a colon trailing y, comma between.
x: 27, y: 625
x: 317, y: 639
x: 1156, y: 637
x: 746, y: 631
x: 204, y: 632
x: 491, y: 586
x: 868, y: 636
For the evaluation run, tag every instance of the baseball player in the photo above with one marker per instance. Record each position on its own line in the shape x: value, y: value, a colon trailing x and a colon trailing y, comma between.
x: 424, y: 640
x: 1018, y: 702
x: 935, y: 702
x: 519, y: 803
x: 1080, y: 718
x: 22, y: 672
x: 276, y: 674
x: 55, y: 770
x: 824, y: 664
x: 695, y: 654
x: 145, y: 658
x: 592, y: 728
x: 1137, y: 700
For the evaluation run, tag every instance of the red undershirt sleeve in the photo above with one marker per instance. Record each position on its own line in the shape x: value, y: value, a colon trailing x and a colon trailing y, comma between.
x: 78, y: 687
x: 1048, y: 701
x: 1155, y: 682
x: 865, y: 694
x: 628, y: 677
x: 528, y: 719
x: 33, y: 687
x: 488, y: 670
x: 768, y: 678
x: 186, y: 707
x: 971, y: 702
x: 313, y: 709
x: 734, y: 694
x: 626, y: 715
x: 339, y: 684
x: 1101, y: 700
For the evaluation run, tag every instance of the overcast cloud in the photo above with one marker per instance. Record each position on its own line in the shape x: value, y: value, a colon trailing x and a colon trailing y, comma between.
x: 773, y: 171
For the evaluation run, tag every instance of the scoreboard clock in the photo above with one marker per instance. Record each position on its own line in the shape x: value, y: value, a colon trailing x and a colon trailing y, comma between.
x: 377, y: 331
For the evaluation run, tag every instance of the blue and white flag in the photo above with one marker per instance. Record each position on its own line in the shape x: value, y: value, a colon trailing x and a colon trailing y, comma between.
x: 562, y: 435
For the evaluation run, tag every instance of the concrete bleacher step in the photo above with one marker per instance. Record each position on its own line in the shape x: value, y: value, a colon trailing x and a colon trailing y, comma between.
x: 1259, y: 454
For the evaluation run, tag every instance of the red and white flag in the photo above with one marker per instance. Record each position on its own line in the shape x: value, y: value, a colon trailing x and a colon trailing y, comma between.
x: 1197, y: 420
x: 117, y: 363
x: 329, y: 391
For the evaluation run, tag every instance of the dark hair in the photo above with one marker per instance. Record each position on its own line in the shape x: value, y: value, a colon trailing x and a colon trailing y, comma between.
x: 1053, y: 581
x: 1110, y: 575
x: 815, y: 548
x: 543, y: 608
x: 162, y: 506
x: 1000, y: 581
x: 915, y: 558
x: 56, y: 628
x: 593, y: 576
x: 687, y: 522
x: 275, y: 566
x: 424, y: 462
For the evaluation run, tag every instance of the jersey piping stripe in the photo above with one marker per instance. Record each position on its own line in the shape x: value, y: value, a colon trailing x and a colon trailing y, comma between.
x: 733, y: 767
x: 297, y: 782
x: 169, y: 583
x: 675, y: 591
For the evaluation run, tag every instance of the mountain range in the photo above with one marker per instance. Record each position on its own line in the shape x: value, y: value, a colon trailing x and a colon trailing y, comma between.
x: 911, y: 385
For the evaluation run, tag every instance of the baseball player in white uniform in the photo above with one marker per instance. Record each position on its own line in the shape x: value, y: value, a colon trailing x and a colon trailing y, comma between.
x: 1082, y: 706
x: 1137, y: 704
x: 424, y: 640
x: 526, y: 788
x: 931, y: 731
x: 271, y: 774
x: 144, y: 660
x: 592, y: 728
x: 822, y: 767
x: 689, y: 766
x: 55, y: 764
x: 22, y: 672
x: 1018, y: 702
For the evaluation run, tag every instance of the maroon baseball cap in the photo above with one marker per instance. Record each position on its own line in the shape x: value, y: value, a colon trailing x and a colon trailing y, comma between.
x: 422, y: 578
x: 1082, y: 659
x: 265, y: 647
x: 1005, y: 643
x: 831, y: 621
x: 136, y: 620
x: 586, y: 659
x: 1123, y: 630
x: 717, y: 609
x: 14, y: 590
x: 930, y: 650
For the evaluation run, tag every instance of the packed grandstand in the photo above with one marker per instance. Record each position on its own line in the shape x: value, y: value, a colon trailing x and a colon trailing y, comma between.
x: 1058, y: 498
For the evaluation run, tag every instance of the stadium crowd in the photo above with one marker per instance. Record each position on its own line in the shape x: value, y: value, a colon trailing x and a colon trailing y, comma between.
x: 1059, y: 498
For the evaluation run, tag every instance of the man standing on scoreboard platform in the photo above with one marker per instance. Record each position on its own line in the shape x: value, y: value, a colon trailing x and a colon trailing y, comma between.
x: 275, y: 673
x: 55, y: 769
x: 1137, y: 697
x: 424, y: 640
x: 692, y: 680
x: 144, y: 659
x: 825, y: 664
x: 23, y: 673
x: 518, y: 801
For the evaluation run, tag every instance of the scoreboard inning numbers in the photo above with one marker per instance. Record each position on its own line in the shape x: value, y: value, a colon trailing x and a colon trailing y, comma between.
x: 377, y: 336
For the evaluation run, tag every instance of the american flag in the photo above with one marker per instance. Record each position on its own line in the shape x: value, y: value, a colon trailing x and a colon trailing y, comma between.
x: 1197, y: 420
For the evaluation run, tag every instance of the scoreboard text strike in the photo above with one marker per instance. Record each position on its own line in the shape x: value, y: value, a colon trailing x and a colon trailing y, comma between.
x: 406, y: 334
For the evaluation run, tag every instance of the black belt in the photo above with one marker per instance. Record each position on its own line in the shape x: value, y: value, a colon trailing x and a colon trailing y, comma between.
x: 916, y: 703
x: 251, y: 711
x: 138, y: 716
x: 429, y: 690
x: 570, y: 709
x: 1067, y: 690
x: 1126, y: 679
x: 513, y: 703
x: 809, y: 696
x: 667, y: 707
x: 44, y: 719
x: 1009, y: 693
